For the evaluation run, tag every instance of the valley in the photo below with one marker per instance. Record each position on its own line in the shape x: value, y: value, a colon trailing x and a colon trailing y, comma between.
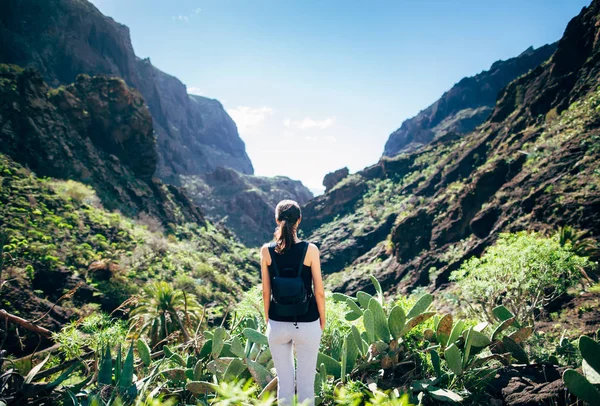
x: 461, y: 268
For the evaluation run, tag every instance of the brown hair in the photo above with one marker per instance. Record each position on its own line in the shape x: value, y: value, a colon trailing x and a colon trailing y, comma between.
x: 287, y: 213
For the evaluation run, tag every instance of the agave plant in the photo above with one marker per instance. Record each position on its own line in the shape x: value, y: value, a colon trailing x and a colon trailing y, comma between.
x: 579, y: 243
x: 163, y: 310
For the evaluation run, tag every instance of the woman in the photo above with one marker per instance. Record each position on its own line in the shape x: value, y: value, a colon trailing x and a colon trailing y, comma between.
x: 304, y: 330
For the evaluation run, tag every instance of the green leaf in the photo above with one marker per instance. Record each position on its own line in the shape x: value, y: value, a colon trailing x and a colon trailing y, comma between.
x: 501, y: 327
x: 396, y: 321
x: 126, y: 379
x: 340, y: 297
x: 344, y: 360
x: 363, y: 299
x: 590, y: 373
x: 378, y: 289
x: 502, y: 314
x: 235, y: 369
x: 255, y: 336
x: 200, y: 387
x: 369, y: 323
x: 580, y: 387
x: 63, y: 377
x: 118, y: 364
x: 467, y: 348
x: 456, y: 332
x: 590, y: 351
x: 420, y: 306
x: 333, y: 367
x: 354, y: 307
x: 144, y: 351
x: 454, y: 359
x: 444, y: 395
x: 38, y: 367
x: 380, y: 320
x: 352, y: 352
x: 479, y: 339
x: 198, y: 368
x: 206, y: 349
x: 105, y: 369
x: 219, y: 336
x: 237, y: 348
x: 261, y: 375
x: 360, y: 344
x: 435, y: 361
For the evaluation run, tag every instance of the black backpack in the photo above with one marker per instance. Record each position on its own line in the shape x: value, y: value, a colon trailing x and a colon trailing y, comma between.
x: 289, y: 296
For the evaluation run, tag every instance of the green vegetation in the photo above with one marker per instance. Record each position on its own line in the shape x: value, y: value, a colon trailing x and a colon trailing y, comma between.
x: 587, y: 387
x: 523, y: 272
x: 52, y: 226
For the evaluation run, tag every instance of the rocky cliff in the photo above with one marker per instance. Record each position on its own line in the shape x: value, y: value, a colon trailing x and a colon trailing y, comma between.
x: 533, y: 164
x: 97, y: 131
x: 244, y: 203
x: 63, y: 38
x: 466, y: 105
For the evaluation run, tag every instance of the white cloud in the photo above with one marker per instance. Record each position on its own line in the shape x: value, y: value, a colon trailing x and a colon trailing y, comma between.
x: 195, y: 90
x: 183, y: 18
x: 187, y: 17
x: 309, y: 122
x: 248, y: 118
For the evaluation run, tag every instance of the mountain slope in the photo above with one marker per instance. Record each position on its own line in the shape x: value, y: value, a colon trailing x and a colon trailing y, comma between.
x: 63, y: 38
x: 534, y: 164
x: 92, y: 247
x: 466, y: 105
x: 244, y: 203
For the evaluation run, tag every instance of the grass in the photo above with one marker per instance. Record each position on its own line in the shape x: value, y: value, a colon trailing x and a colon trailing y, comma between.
x: 51, y: 225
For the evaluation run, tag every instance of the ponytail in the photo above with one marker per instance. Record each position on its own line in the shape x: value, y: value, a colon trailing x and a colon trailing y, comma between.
x: 287, y: 214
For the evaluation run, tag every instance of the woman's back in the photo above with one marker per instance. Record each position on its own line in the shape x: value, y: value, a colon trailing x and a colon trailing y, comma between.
x: 287, y: 264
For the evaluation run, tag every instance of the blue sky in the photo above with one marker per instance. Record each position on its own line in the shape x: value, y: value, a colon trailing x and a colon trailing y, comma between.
x: 318, y: 85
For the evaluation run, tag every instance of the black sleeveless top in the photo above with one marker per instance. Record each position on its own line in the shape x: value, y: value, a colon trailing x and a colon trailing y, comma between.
x: 291, y: 258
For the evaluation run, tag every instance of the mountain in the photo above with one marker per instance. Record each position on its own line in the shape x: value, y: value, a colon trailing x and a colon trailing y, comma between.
x: 63, y: 38
x: 83, y: 223
x: 466, y: 105
x: 244, y: 203
x: 194, y: 135
x: 533, y: 164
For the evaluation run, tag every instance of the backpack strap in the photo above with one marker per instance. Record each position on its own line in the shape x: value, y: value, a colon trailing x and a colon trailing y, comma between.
x: 272, y: 254
x: 302, y: 259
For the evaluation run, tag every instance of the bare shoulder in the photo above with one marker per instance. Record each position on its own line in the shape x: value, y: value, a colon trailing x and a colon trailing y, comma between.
x: 313, y: 249
x: 264, y: 251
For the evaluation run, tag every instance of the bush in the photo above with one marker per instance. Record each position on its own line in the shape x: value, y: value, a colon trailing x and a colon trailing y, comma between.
x: 523, y: 271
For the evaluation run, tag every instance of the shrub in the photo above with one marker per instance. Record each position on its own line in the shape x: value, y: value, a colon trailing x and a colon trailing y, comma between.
x: 523, y: 271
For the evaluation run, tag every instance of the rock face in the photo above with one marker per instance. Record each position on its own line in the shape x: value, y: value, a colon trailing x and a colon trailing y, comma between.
x: 97, y: 131
x: 333, y: 178
x: 63, y: 38
x: 533, y: 164
x: 466, y: 105
x: 244, y: 203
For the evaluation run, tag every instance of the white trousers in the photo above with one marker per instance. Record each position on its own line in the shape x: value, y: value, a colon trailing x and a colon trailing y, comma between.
x: 282, y: 335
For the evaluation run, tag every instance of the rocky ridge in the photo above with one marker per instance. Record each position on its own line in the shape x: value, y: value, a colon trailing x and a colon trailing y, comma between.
x: 466, y: 105
x: 97, y: 131
x: 244, y: 203
x: 64, y: 38
x: 412, y: 219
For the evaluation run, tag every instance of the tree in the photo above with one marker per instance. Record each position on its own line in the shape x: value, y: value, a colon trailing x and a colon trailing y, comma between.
x: 163, y: 310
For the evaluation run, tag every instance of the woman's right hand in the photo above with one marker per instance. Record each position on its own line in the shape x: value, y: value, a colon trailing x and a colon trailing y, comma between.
x: 323, y: 320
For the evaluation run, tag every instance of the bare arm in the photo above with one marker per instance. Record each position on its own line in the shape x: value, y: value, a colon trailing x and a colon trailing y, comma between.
x: 319, y: 290
x: 266, y: 281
